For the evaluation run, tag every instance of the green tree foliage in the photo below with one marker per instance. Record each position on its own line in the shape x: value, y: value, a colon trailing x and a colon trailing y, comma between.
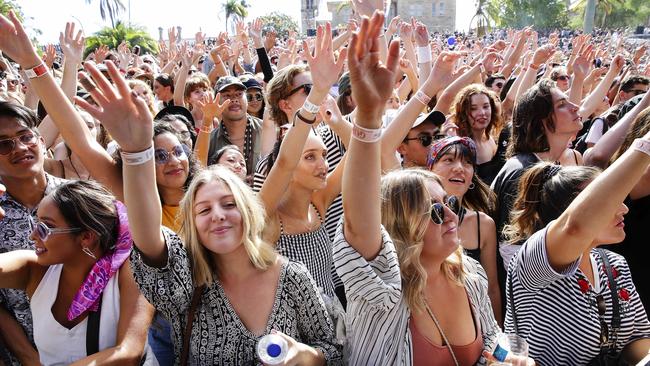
x: 615, y: 13
x: 112, y: 8
x: 521, y: 13
x: 7, y: 5
x: 237, y: 9
x: 282, y: 23
x: 112, y: 37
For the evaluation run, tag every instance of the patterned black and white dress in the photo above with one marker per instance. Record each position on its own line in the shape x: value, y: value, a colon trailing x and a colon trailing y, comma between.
x: 218, y: 335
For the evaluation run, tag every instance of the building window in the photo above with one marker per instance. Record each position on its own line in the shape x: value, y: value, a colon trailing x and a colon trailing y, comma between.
x: 441, y: 8
x: 433, y: 9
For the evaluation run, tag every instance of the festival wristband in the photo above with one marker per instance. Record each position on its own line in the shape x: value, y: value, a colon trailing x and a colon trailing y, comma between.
x: 36, y: 71
x: 422, y: 98
x: 424, y: 54
x: 310, y: 107
x: 367, y: 135
x: 642, y: 146
x: 533, y: 66
x: 137, y: 158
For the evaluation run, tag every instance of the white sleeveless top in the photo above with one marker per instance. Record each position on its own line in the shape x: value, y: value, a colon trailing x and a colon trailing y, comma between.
x: 58, y: 345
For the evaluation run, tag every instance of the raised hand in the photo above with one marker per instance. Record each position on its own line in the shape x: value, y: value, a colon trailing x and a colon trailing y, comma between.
x: 123, y: 55
x: 405, y: 31
x: 211, y: 107
x: 617, y: 64
x: 124, y: 114
x: 582, y: 63
x: 270, y: 39
x: 330, y: 111
x: 255, y: 31
x: 490, y: 61
x: 372, y: 82
x: 366, y: 8
x: 443, y: 68
x: 393, y: 25
x: 543, y: 54
x: 100, y: 53
x: 171, y: 36
x: 49, y: 56
x: 72, y: 44
x: 15, y: 42
x: 421, y: 35
x: 324, y: 68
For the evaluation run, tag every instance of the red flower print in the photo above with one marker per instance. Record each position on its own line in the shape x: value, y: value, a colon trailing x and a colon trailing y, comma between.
x: 584, y: 285
x: 624, y: 294
x: 614, y: 272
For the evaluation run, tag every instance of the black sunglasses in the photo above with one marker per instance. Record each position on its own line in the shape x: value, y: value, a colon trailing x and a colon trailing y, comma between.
x: 636, y: 91
x: 604, y: 328
x: 8, y: 145
x: 258, y: 97
x: 564, y: 77
x: 499, y: 85
x: 426, y: 139
x: 306, y: 87
x: 438, y: 209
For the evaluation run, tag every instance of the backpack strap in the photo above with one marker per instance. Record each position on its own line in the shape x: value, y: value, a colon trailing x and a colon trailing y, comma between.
x: 616, y: 313
x: 196, y: 299
x: 92, y: 330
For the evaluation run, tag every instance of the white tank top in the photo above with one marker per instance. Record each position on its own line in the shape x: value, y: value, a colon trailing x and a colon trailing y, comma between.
x: 58, y: 345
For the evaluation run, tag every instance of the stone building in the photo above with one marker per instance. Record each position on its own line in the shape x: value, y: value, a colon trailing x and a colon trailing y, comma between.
x: 438, y: 15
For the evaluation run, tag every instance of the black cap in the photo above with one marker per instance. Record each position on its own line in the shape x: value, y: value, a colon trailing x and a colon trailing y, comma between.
x: 226, y: 81
x: 250, y: 82
x: 435, y: 117
x: 174, y: 109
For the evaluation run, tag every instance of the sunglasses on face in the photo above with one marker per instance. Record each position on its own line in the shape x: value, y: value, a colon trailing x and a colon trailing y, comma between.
x: 564, y: 77
x: 42, y: 231
x: 426, y: 139
x: 438, y: 209
x: 499, y: 85
x: 254, y: 97
x: 162, y: 156
x: 306, y: 87
x: 8, y: 145
x: 637, y: 91
x: 604, y: 328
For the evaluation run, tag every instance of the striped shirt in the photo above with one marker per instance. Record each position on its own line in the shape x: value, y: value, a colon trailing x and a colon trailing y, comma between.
x: 377, y: 316
x: 557, y: 312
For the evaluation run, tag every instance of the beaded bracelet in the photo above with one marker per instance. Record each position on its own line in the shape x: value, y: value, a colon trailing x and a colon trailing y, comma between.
x: 137, y: 158
x: 368, y: 135
x: 422, y: 98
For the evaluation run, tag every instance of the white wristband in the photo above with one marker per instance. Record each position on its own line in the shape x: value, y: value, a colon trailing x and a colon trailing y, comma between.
x: 367, y: 135
x: 642, y: 146
x: 310, y: 107
x: 137, y: 158
x: 424, y: 54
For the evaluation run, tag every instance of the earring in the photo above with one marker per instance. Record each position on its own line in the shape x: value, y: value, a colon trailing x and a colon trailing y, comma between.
x: 472, y: 185
x: 88, y: 252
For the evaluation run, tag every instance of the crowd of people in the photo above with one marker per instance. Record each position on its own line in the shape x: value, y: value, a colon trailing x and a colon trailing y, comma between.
x: 377, y: 197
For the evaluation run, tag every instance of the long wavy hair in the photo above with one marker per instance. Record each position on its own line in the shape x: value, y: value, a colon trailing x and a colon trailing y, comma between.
x: 260, y: 253
x: 463, y: 105
x: 640, y: 127
x: 405, y: 208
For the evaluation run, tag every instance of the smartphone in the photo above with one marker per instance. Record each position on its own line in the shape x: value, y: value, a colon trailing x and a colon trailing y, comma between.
x: 136, y: 50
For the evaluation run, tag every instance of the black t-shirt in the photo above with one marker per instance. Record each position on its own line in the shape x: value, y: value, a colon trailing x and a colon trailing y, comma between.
x: 506, y: 187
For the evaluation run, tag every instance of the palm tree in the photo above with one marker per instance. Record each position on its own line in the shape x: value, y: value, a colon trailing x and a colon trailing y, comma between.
x: 603, y: 7
x: 112, y: 37
x: 235, y: 8
x: 110, y: 7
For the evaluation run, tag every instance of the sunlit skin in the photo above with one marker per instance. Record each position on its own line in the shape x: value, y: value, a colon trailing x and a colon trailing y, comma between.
x: 234, y: 160
x: 173, y: 174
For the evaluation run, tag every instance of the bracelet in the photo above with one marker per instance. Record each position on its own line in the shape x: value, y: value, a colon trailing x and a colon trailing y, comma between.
x: 36, y: 71
x: 481, y: 67
x: 424, y: 54
x: 310, y: 107
x: 300, y: 116
x: 642, y: 146
x: 137, y: 158
x: 533, y: 66
x: 422, y: 97
x: 367, y: 135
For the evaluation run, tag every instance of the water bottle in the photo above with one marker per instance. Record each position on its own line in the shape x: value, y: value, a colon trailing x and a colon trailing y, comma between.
x: 272, y: 349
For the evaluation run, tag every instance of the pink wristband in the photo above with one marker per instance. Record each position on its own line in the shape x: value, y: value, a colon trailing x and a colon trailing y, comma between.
x: 642, y: 146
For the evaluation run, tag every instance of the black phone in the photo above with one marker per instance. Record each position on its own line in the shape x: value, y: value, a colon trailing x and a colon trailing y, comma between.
x: 136, y: 50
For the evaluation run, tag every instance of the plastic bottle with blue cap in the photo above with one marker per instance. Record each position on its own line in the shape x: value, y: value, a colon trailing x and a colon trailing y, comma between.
x: 272, y: 349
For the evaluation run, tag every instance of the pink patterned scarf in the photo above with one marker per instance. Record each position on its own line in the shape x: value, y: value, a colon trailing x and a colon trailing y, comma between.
x: 87, y: 298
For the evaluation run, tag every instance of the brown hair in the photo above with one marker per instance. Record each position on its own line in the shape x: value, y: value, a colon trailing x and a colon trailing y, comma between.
x: 195, y: 81
x: 531, y: 117
x: 278, y: 89
x: 640, y: 127
x: 463, y: 105
x: 545, y: 191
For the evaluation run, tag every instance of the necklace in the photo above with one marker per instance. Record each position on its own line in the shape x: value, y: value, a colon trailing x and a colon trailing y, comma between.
x: 444, y: 337
x: 75, y: 170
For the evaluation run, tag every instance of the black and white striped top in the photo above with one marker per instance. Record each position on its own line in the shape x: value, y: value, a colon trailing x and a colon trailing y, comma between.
x: 557, y: 313
x: 377, y: 316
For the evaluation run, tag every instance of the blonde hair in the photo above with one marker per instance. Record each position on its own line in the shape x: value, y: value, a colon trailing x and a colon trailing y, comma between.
x: 261, y: 254
x: 405, y: 213
x: 278, y: 88
x: 149, y: 98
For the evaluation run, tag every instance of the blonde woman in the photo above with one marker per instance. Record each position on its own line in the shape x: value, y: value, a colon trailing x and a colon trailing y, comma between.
x: 394, y: 276
x: 244, y: 289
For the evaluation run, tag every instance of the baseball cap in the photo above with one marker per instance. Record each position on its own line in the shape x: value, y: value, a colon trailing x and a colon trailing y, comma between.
x: 435, y: 117
x: 226, y: 81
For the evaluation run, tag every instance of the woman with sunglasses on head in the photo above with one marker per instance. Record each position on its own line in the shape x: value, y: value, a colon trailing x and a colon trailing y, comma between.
x: 79, y: 274
x: 453, y: 159
x: 570, y: 300
x: 221, y: 286
x: 394, y: 273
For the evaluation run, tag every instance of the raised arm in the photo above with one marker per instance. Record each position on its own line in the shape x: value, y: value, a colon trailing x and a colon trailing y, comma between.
x: 15, y: 42
x: 127, y: 119
x: 72, y: 46
x: 181, y: 77
x: 324, y: 72
x: 574, y: 232
x: 596, y: 97
x: 371, y: 87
